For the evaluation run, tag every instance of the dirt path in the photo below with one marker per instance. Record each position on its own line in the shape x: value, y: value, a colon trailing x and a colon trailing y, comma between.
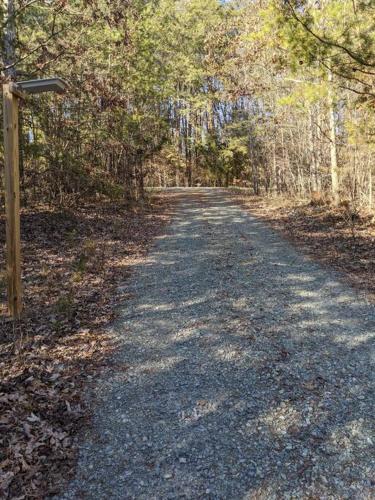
x: 244, y: 371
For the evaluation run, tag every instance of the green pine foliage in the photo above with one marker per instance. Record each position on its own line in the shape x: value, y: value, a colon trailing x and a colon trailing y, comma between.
x: 187, y: 92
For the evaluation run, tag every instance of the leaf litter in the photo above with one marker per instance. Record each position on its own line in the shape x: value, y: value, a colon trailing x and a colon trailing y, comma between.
x: 73, y: 264
x: 342, y: 238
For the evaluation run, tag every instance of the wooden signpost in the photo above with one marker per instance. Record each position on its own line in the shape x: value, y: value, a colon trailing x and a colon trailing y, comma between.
x: 12, y: 199
x: 12, y: 93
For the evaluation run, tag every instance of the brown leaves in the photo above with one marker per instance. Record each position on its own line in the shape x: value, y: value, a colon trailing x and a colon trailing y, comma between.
x: 72, y: 266
x: 325, y: 233
x: 35, y: 429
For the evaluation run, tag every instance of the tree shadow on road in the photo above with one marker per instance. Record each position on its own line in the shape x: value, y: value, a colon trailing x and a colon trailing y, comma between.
x: 250, y: 371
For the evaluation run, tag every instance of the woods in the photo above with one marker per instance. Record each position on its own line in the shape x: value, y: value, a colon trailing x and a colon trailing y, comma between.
x: 274, y: 99
x: 274, y: 95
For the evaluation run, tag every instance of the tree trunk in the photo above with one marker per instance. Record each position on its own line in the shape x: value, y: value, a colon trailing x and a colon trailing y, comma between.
x: 370, y: 186
x: 333, y: 142
x: 313, y: 155
x: 9, y: 50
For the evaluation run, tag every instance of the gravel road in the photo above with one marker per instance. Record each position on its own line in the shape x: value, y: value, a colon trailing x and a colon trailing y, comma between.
x: 244, y: 371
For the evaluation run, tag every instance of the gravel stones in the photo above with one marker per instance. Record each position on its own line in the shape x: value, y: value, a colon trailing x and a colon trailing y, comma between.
x: 249, y: 372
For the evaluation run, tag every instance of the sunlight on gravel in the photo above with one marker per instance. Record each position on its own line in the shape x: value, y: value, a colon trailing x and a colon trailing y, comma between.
x: 249, y: 372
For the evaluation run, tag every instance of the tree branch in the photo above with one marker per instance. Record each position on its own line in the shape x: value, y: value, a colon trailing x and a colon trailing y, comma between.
x: 35, y: 49
x: 324, y: 41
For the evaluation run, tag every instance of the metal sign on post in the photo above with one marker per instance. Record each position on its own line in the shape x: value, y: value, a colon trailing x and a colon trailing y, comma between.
x: 12, y: 93
x: 46, y: 85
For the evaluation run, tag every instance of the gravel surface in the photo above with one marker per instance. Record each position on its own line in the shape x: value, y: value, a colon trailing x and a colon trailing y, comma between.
x: 244, y: 371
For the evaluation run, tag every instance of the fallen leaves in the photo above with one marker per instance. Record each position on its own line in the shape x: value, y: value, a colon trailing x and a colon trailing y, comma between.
x: 73, y: 264
x: 326, y: 233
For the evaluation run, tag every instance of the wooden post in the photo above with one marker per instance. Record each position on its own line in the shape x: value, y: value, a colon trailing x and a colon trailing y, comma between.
x: 12, y: 199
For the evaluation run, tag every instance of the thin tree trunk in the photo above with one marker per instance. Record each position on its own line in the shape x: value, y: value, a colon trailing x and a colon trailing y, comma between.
x: 313, y: 155
x: 370, y: 185
x: 9, y: 50
x: 333, y: 142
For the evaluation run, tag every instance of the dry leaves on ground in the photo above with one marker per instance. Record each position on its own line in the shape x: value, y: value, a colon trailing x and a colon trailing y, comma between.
x: 340, y: 237
x: 73, y: 262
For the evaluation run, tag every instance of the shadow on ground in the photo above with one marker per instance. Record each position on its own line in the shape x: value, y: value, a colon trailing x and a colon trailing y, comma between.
x: 245, y: 371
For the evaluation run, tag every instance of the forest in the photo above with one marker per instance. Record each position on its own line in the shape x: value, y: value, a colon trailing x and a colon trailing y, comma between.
x: 271, y: 102
x: 274, y: 96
